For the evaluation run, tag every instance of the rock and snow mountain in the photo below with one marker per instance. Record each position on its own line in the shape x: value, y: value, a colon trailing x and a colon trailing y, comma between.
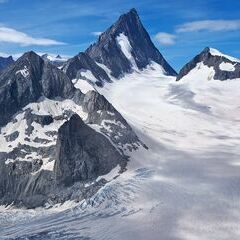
x: 58, y: 146
x: 84, y: 67
x: 5, y: 62
x: 55, y: 60
x: 123, y: 48
x: 127, y: 45
x: 185, y: 186
x: 42, y: 132
x: 211, y: 64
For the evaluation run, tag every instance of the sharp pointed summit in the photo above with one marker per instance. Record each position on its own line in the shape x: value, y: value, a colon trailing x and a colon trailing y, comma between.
x: 127, y: 45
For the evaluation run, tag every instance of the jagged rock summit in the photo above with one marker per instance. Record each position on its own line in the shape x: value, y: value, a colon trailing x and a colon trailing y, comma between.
x: 213, y: 65
x: 122, y: 48
x: 28, y: 79
x: 5, y: 62
x: 125, y: 44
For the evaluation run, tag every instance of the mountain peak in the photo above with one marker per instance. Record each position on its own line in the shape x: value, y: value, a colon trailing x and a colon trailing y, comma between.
x: 225, y: 67
x: 31, y: 56
x: 125, y: 45
x: 5, y: 62
x: 132, y: 14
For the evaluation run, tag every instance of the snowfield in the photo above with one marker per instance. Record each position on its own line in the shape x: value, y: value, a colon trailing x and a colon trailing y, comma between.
x: 185, y: 186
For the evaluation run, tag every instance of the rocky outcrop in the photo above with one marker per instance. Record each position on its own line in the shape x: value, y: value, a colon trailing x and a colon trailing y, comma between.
x: 28, y: 79
x: 5, y: 62
x: 113, y: 125
x: 83, y: 153
x: 35, y: 169
x: 108, y: 52
x: 212, y: 60
x: 81, y: 63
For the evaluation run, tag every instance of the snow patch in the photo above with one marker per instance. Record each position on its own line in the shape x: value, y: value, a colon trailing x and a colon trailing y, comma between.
x: 215, y: 52
x: 83, y: 85
x: 87, y: 75
x: 226, y: 66
x: 126, y: 47
x: 23, y: 71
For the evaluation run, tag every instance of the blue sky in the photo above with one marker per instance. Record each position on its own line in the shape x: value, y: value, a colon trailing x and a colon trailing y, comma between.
x: 179, y: 28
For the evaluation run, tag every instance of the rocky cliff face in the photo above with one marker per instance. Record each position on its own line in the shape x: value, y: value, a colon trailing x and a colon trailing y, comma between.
x: 5, y: 62
x: 127, y: 43
x: 47, y: 152
x: 223, y: 67
x: 77, y: 67
x: 83, y: 153
x: 28, y: 79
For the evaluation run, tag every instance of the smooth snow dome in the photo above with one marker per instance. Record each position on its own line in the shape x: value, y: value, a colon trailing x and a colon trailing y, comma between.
x: 225, y: 66
x: 215, y: 52
x: 126, y: 47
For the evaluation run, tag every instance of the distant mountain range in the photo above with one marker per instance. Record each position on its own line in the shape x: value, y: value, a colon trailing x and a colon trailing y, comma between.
x: 5, y: 62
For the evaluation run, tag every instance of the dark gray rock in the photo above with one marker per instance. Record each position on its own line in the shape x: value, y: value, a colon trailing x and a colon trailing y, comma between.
x: 28, y: 79
x: 12, y: 137
x: 113, y: 125
x: 83, y: 62
x: 211, y: 61
x: 83, y: 153
x: 5, y: 62
x: 108, y: 52
x: 40, y: 119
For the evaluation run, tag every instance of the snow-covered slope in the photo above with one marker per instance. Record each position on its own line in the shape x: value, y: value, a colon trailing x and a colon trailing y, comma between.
x: 211, y: 64
x: 185, y: 186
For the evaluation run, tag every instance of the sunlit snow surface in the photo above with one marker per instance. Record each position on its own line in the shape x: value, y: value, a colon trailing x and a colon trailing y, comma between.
x: 186, y: 186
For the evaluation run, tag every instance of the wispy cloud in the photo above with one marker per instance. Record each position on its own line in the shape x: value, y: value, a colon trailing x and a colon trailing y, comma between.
x: 209, y: 25
x: 96, y: 33
x: 11, y: 35
x: 165, y: 39
x: 3, y: 1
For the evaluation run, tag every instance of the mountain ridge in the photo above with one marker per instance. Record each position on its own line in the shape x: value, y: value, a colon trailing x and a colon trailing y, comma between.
x: 224, y: 67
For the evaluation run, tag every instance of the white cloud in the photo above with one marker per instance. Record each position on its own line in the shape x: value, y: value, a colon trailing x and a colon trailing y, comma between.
x: 165, y: 38
x: 3, y: 1
x: 210, y: 25
x: 13, y: 36
x: 96, y: 33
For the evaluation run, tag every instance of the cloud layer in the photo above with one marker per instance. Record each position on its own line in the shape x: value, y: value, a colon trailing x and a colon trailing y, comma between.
x: 210, y: 25
x: 165, y: 38
x: 10, y: 35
